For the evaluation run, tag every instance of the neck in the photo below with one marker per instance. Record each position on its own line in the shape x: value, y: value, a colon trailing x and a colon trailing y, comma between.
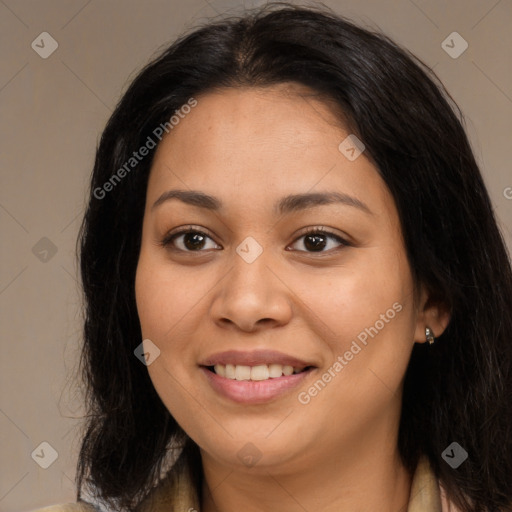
x: 366, y: 479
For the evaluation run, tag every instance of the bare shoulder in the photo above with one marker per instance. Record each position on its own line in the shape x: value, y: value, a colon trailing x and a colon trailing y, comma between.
x: 67, y: 507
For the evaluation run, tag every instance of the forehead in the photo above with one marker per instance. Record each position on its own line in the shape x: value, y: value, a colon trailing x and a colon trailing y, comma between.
x: 293, y: 113
x: 250, y: 143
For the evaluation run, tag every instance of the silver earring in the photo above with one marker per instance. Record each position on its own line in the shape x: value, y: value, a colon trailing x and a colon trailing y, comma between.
x: 429, y: 335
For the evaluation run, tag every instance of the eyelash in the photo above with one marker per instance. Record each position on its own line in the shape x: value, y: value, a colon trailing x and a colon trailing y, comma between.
x: 170, y: 237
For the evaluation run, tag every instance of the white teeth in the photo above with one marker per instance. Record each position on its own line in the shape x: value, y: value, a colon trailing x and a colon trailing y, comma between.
x: 220, y: 370
x: 287, y: 370
x: 258, y: 372
x: 230, y: 371
x: 242, y: 372
x: 275, y: 370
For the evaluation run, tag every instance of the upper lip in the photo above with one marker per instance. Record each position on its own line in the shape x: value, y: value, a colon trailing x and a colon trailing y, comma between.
x: 256, y: 357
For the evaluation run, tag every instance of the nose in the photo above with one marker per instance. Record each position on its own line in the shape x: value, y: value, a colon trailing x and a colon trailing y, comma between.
x: 253, y: 296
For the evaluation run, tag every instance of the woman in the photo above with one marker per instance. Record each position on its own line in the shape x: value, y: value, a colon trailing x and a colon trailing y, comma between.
x: 297, y: 296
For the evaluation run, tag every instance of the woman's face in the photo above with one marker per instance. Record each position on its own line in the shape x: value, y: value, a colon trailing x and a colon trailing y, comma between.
x: 255, y: 294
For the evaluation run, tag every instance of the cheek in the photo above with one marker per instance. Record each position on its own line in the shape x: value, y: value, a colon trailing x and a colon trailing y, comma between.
x: 165, y: 296
x: 162, y: 307
x: 345, y: 300
x: 364, y: 313
x: 370, y: 319
x: 151, y: 300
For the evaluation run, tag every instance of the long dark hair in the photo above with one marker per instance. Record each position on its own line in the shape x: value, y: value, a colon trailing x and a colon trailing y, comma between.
x: 459, y: 389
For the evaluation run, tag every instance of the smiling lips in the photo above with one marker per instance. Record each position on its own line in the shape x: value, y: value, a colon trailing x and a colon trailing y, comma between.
x: 254, y: 377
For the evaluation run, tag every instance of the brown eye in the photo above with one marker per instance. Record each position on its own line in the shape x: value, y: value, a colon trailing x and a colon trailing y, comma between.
x: 193, y: 241
x: 318, y: 240
x: 315, y: 242
x: 188, y: 240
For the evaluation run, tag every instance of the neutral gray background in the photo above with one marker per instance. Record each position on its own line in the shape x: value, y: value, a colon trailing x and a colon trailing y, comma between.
x: 52, y: 112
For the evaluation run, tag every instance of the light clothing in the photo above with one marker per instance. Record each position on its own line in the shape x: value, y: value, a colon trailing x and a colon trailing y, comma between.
x: 177, y: 494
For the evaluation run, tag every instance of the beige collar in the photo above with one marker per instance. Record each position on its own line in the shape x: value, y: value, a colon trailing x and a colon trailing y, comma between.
x: 176, y: 493
x: 425, y: 491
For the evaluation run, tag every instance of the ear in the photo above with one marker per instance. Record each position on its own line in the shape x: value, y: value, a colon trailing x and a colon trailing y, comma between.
x: 431, y: 313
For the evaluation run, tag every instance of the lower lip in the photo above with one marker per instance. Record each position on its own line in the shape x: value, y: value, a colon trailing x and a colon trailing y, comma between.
x: 254, y: 392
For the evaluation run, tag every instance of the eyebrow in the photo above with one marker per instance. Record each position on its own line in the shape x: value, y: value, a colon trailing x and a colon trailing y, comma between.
x: 286, y: 205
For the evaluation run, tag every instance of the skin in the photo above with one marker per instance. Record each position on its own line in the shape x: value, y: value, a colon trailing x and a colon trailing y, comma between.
x: 249, y: 147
